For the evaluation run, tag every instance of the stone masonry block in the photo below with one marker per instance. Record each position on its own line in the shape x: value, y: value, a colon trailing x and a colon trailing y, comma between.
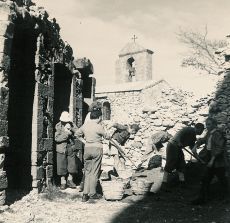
x: 49, y: 171
x: 3, y: 127
x: 6, y: 29
x: 4, y: 141
x: 48, y: 144
x: 40, y: 147
x: 40, y: 158
x: 37, y: 172
x: 50, y: 105
x: 4, y: 98
x: 2, y: 197
x: 37, y: 158
x: 51, y: 92
x: 5, y: 61
x: 50, y: 131
x: 43, y: 90
x: 36, y: 184
x: 40, y: 129
x: 50, y: 157
x: 79, y: 103
x: 3, y: 111
x: 4, y: 95
x: 3, y: 180
x: 5, y: 44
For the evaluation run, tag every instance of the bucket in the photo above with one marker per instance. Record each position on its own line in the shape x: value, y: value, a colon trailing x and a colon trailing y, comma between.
x: 113, y: 190
x: 140, y: 186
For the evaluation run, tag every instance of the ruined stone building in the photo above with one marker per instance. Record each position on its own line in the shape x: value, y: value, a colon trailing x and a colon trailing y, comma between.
x: 134, y: 83
x: 155, y: 105
x: 39, y: 78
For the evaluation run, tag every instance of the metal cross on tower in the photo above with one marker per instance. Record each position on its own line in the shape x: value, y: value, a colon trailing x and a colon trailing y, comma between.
x: 134, y: 38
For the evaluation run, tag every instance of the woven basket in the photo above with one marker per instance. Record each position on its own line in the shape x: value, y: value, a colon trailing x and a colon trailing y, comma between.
x: 140, y: 186
x: 113, y: 190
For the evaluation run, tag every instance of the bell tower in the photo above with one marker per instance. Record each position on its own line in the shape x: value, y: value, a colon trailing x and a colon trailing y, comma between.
x: 134, y: 63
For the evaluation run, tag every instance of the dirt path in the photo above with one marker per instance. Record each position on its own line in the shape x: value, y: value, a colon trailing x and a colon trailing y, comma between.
x: 68, y: 208
x: 62, y: 207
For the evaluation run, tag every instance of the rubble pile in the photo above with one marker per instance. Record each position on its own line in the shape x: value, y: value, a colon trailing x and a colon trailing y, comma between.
x: 171, y: 110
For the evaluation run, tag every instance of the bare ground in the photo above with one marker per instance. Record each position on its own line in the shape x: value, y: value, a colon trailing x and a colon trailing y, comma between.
x: 66, y: 207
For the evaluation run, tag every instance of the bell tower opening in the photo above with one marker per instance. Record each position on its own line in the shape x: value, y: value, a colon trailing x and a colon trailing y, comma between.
x: 131, y: 67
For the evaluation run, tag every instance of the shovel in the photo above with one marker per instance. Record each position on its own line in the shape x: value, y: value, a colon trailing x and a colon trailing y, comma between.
x: 195, y: 156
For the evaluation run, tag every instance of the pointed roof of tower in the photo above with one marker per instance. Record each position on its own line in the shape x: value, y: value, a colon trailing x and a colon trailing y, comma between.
x: 132, y: 48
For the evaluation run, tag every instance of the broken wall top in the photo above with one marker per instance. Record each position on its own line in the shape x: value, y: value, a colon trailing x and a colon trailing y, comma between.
x: 26, y: 15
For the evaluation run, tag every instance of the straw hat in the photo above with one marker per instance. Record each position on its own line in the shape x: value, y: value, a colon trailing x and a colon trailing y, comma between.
x: 65, y: 117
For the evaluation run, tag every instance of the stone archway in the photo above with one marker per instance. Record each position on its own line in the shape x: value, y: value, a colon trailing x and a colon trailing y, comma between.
x: 131, y: 67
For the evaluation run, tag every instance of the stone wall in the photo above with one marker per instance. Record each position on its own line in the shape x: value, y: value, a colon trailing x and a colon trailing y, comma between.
x: 7, y: 14
x: 31, y: 55
x: 220, y: 108
x: 155, y: 108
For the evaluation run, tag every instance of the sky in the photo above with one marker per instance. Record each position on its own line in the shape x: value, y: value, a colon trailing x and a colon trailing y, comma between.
x: 99, y: 29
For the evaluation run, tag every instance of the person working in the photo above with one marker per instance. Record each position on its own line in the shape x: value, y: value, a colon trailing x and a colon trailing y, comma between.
x: 215, y: 157
x: 154, y: 144
x: 93, y: 132
x: 121, y: 135
x: 174, y: 154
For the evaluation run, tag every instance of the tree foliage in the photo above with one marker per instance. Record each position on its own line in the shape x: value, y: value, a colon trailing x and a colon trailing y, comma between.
x: 201, y: 52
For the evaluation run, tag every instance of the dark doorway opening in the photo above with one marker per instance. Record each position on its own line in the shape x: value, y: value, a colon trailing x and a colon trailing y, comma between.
x: 20, y: 111
x: 62, y: 90
x: 106, y: 111
x: 87, y: 87
x: 85, y: 111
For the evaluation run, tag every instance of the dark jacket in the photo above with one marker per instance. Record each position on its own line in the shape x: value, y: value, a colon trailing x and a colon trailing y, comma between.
x: 121, y: 134
x: 185, y: 137
x: 214, y: 146
x: 63, y: 139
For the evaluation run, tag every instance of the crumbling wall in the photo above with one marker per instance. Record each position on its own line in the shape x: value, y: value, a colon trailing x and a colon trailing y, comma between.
x: 167, y: 109
x: 85, y: 87
x: 30, y: 47
x: 7, y: 14
x: 220, y: 108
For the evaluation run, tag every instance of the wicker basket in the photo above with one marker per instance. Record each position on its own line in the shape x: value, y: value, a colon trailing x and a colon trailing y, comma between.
x: 113, y: 190
x: 140, y: 186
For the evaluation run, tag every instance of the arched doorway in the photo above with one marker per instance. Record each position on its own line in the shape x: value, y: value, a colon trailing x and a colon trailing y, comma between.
x: 131, y: 67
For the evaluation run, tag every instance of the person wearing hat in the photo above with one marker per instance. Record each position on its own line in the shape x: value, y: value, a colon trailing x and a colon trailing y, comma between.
x: 65, y: 149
